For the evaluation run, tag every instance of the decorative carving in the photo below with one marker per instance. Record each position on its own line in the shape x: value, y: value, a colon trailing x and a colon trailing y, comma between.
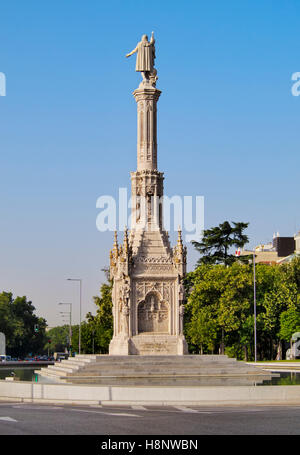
x: 160, y: 287
x: 154, y: 268
x: 125, y: 318
x: 153, y: 260
x: 153, y: 315
x: 181, y: 315
x: 181, y: 291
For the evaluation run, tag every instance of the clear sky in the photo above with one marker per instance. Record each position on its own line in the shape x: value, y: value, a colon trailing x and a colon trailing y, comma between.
x: 228, y: 127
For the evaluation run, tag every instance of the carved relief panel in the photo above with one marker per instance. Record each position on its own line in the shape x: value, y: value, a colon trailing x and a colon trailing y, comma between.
x: 153, y: 315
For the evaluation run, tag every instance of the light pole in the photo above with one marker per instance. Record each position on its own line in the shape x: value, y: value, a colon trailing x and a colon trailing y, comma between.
x: 70, y: 321
x: 254, y: 302
x: 79, y: 339
x: 237, y: 253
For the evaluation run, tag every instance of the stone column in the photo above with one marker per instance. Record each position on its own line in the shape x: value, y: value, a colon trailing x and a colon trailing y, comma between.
x: 146, y: 98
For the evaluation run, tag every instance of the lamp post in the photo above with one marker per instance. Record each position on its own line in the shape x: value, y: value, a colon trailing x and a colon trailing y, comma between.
x: 79, y: 340
x: 254, y: 302
x: 70, y: 321
x: 237, y: 253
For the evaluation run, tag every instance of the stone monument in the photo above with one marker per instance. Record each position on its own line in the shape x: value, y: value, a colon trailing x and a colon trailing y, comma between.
x: 2, y: 344
x: 148, y: 294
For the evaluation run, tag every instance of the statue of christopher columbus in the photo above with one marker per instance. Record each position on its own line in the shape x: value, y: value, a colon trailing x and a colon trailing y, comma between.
x: 145, y: 59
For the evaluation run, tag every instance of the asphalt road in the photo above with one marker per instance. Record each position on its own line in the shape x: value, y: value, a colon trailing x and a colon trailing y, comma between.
x: 35, y: 419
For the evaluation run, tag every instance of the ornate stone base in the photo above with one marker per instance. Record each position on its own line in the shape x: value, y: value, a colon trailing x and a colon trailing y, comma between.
x: 182, y: 346
x: 150, y: 344
x: 119, y: 346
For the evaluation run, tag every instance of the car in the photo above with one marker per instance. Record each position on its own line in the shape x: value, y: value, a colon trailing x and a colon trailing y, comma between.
x: 5, y: 358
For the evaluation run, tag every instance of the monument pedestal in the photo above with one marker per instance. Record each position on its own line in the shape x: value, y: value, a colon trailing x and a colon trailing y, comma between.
x: 120, y: 345
x: 149, y: 344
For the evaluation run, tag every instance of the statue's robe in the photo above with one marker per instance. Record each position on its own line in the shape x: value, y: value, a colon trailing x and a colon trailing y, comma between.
x: 145, y: 57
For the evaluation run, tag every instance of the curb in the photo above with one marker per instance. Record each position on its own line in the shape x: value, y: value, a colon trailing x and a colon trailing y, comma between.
x: 162, y: 396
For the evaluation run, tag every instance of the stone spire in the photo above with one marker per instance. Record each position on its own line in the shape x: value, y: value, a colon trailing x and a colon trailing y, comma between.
x: 125, y: 242
x: 179, y: 241
x: 116, y: 246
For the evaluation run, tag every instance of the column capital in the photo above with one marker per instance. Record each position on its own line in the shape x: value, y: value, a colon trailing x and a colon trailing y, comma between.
x: 144, y: 93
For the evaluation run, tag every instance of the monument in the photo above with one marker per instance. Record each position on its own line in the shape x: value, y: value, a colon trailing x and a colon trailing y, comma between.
x: 148, y: 293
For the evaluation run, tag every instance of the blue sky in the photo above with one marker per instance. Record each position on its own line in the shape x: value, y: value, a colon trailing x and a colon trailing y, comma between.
x: 228, y: 127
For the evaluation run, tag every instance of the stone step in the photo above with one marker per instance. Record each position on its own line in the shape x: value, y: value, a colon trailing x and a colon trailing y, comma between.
x: 160, y: 363
x: 86, y: 357
x: 79, y: 363
x: 172, y: 358
x: 61, y: 368
x: 162, y: 367
x: 48, y: 374
x: 147, y: 374
x: 70, y: 365
x: 206, y: 373
x: 163, y: 372
x: 179, y: 381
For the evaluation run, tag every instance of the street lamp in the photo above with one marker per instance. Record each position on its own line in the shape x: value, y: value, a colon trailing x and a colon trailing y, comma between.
x: 254, y: 302
x: 79, y: 341
x: 237, y: 253
x: 70, y: 320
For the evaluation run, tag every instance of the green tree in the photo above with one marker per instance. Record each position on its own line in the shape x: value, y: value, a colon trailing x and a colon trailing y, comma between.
x: 102, y: 323
x: 220, y: 308
x: 17, y: 322
x: 97, y: 330
x: 234, y: 309
x: 216, y: 243
x: 202, y: 331
x: 7, y: 323
x: 205, y: 286
x: 59, y: 338
x: 289, y: 324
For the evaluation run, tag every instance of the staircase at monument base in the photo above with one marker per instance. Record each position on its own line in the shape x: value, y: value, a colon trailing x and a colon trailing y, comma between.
x: 91, y: 369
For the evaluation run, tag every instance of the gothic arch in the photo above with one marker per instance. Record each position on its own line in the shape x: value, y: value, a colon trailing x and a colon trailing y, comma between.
x: 153, y: 314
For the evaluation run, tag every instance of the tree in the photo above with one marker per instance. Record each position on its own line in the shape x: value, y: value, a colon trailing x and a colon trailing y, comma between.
x: 17, y: 322
x: 219, y: 308
x: 7, y: 323
x: 96, y: 330
x: 205, y: 286
x: 59, y: 338
x: 103, y: 321
x: 216, y: 243
x: 289, y: 324
x: 202, y: 330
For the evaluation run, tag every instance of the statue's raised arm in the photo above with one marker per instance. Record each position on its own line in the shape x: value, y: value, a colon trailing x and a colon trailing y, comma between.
x: 145, y: 59
x: 152, y: 41
x: 132, y: 52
